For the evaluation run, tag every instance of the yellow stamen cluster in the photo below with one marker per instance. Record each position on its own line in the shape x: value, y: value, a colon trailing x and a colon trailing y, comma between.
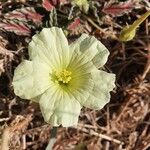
x: 64, y: 76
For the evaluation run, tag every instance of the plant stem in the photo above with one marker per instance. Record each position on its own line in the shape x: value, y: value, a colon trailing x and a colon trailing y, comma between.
x: 52, y: 138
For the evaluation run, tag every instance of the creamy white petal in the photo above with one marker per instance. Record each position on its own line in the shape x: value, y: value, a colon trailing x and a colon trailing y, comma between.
x: 103, y: 83
x: 38, y: 49
x: 101, y: 57
x: 92, y: 48
x: 59, y: 107
x: 31, y: 79
x: 95, y: 101
x: 81, y: 83
x: 51, y: 46
x: 81, y: 88
x: 85, y: 44
x: 80, y: 65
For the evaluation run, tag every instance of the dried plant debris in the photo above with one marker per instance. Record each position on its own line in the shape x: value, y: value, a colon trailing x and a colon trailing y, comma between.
x: 49, y: 5
x: 5, y: 55
x: 74, y: 24
x: 76, y: 27
x: 21, y: 21
x: 120, y: 8
x: 24, y: 14
x: 128, y: 119
x: 18, y: 28
x: 123, y: 124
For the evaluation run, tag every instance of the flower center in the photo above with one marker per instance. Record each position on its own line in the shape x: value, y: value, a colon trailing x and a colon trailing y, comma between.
x: 64, y: 76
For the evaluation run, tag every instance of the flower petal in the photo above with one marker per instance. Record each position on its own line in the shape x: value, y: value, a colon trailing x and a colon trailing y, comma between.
x: 31, y: 79
x: 59, y: 108
x: 81, y: 88
x: 51, y: 46
x: 101, y: 57
x: 92, y: 48
x: 80, y: 65
x: 103, y: 83
x: 81, y: 83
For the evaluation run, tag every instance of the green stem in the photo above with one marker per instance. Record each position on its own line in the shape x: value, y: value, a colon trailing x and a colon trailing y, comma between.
x: 138, y: 21
x: 52, y: 139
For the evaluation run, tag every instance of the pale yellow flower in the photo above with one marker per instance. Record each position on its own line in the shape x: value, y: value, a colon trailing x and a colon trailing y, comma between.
x: 63, y: 78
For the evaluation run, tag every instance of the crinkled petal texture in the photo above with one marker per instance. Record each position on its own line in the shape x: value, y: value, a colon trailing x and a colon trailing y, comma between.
x: 51, y: 46
x: 92, y: 48
x: 59, y: 107
x: 31, y: 79
x: 99, y: 84
x: 103, y: 83
x: 61, y: 102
